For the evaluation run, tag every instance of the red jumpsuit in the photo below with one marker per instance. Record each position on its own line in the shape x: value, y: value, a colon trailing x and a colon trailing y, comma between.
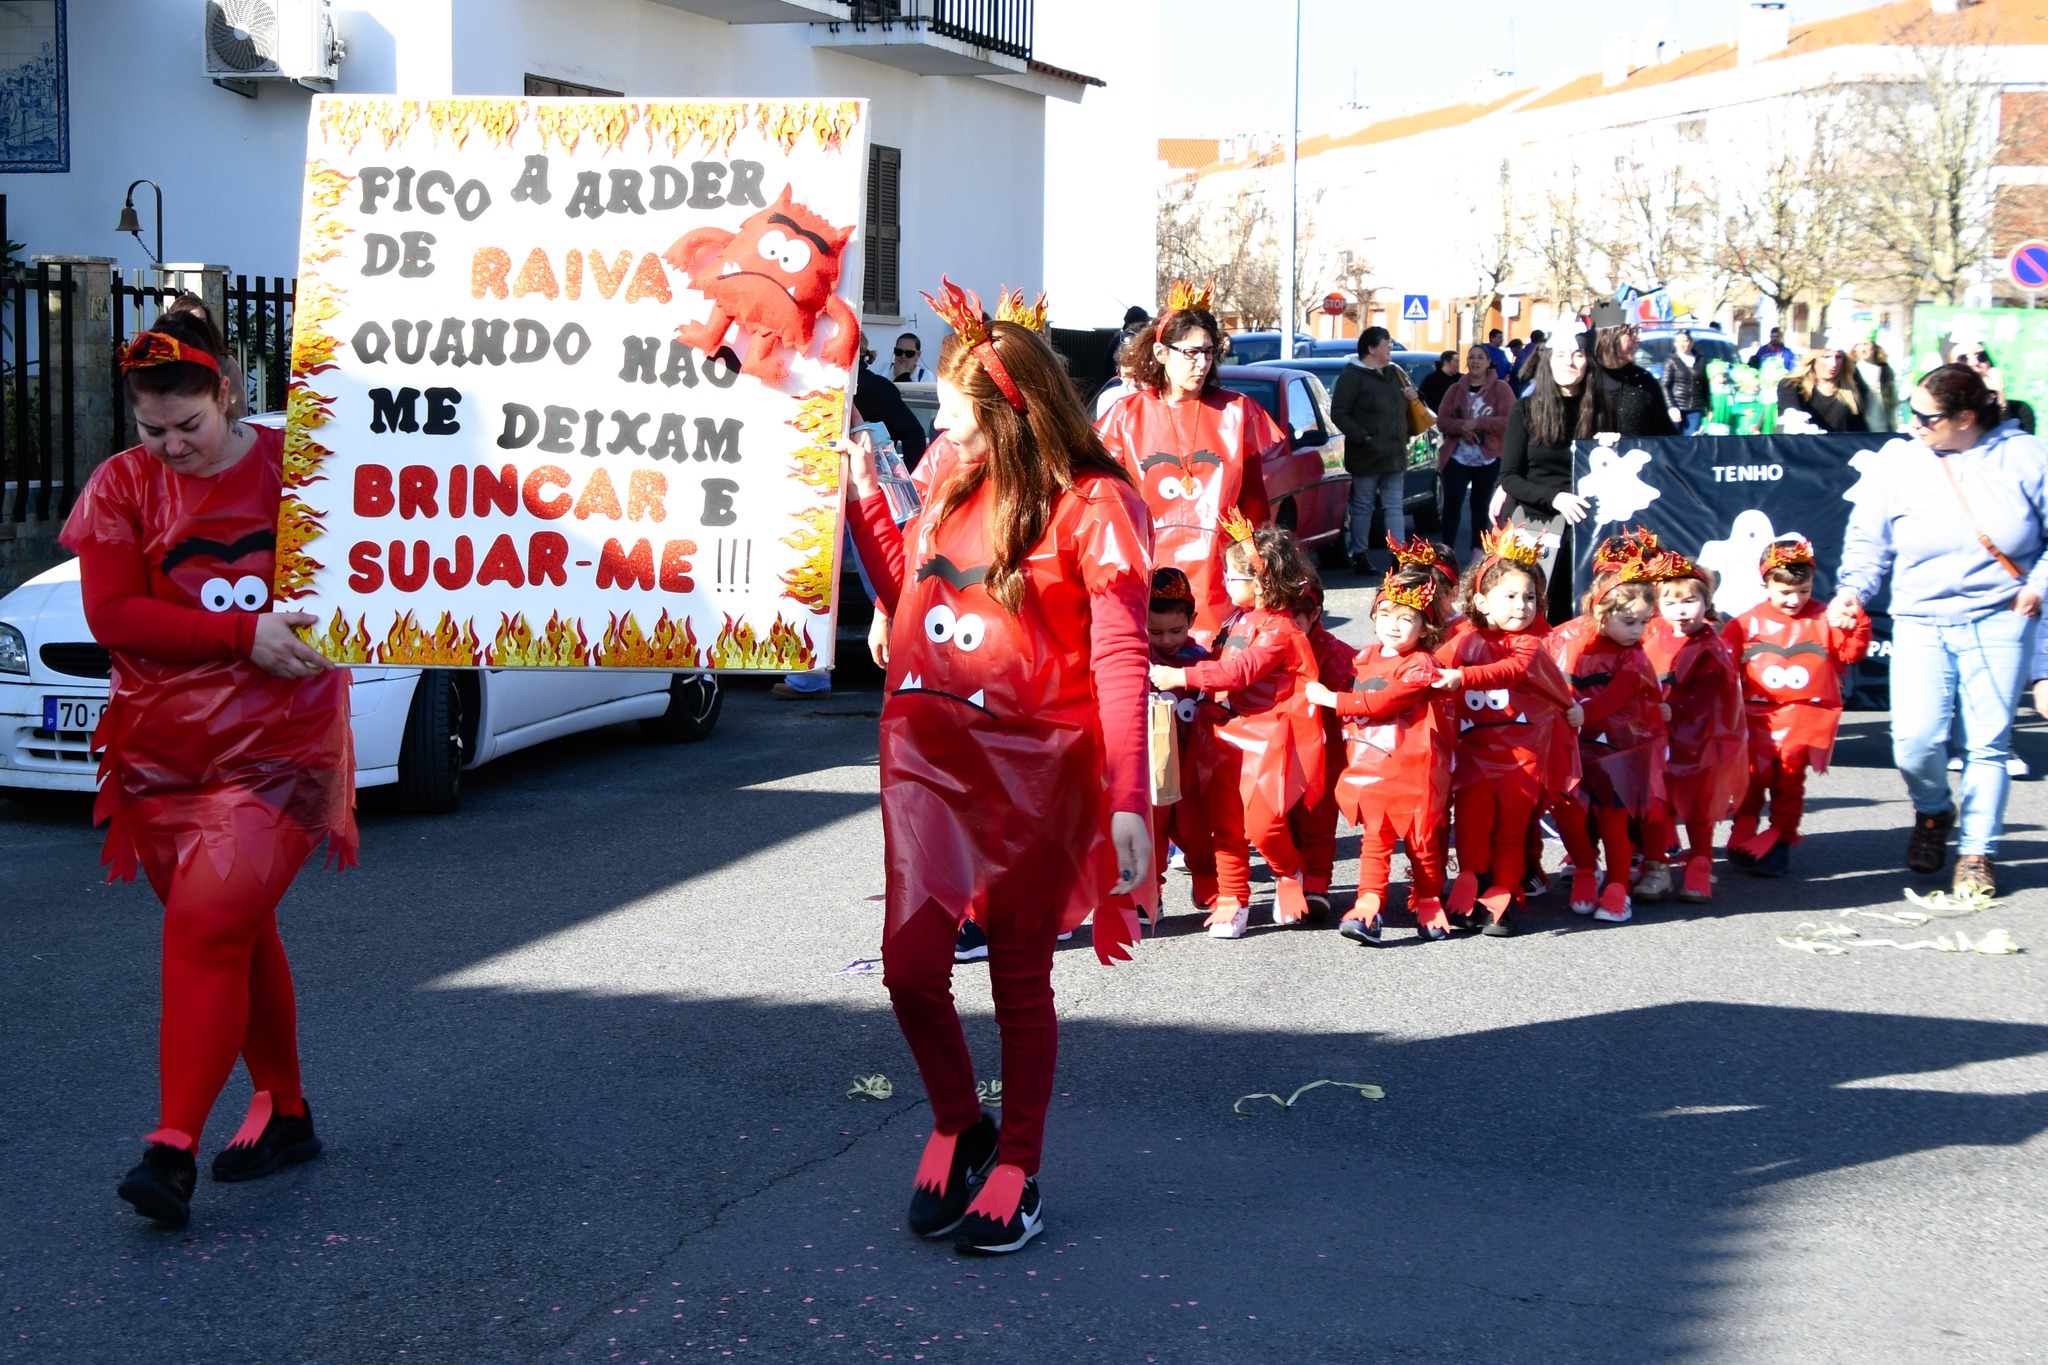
x: 1513, y: 752
x: 1792, y: 686
x: 1270, y: 748
x: 1396, y: 782
x: 1194, y: 461
x: 1006, y: 744
x: 1707, y: 771
x: 217, y: 778
x: 1313, y: 820
x: 1621, y: 744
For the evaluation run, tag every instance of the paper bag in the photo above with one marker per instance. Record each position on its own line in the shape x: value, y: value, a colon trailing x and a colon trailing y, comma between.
x: 1162, y: 745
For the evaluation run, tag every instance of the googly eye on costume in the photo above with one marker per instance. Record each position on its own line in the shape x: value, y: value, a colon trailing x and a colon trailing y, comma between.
x: 968, y: 632
x: 939, y: 624
x: 1774, y: 678
x: 1170, y: 489
x: 1796, y: 678
x: 1475, y: 701
x: 251, y: 592
x: 1497, y: 700
x: 217, y: 594
x: 1186, y: 708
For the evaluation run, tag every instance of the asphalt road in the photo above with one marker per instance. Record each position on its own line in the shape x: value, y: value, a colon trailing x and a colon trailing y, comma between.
x: 580, y: 1056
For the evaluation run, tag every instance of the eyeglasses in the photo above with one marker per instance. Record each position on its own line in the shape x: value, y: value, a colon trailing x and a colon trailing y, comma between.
x: 1229, y: 577
x: 1194, y: 352
x: 1976, y: 358
x: 1927, y: 419
x: 902, y: 354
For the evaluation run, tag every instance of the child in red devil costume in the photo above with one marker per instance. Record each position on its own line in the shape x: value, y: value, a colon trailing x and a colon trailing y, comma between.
x: 227, y: 756
x: 1313, y: 820
x: 1707, y: 771
x: 1195, y: 449
x: 1792, y: 663
x: 1621, y: 731
x: 1515, y: 716
x: 1012, y: 744
x: 1270, y: 746
x: 1396, y: 781
x: 1184, y: 823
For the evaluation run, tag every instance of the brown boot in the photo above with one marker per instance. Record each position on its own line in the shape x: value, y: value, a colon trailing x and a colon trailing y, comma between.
x: 1974, y: 877
x: 1927, y: 846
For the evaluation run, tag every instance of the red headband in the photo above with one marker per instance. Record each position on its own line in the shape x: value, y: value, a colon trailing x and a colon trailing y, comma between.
x: 961, y: 309
x: 150, y: 349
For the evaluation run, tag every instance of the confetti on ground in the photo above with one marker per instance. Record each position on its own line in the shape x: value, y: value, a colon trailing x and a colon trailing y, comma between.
x: 991, y: 1093
x: 860, y: 966
x: 1369, y: 1092
x: 875, y: 1087
x: 1832, y: 940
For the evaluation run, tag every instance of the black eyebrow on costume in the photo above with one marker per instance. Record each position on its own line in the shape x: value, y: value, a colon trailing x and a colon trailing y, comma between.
x: 801, y: 231
x: 228, y: 554
x: 1161, y: 458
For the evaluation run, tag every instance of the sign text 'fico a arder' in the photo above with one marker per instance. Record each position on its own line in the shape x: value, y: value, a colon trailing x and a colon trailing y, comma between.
x: 566, y: 378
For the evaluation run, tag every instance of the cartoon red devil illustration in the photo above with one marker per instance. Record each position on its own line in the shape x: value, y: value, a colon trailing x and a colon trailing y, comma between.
x: 771, y: 280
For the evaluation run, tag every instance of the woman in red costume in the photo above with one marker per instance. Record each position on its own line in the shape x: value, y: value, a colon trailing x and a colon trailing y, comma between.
x: 227, y: 751
x: 1196, y: 450
x: 1014, y: 782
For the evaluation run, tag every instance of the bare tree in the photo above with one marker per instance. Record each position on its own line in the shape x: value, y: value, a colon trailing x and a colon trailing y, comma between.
x: 1497, y: 241
x: 1787, y: 226
x: 1652, y: 233
x: 1560, y: 244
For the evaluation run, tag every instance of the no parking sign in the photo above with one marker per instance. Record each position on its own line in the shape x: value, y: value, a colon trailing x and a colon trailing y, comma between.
x: 2027, y: 267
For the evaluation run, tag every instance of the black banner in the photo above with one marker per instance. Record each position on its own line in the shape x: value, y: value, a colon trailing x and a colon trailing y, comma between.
x: 1721, y: 499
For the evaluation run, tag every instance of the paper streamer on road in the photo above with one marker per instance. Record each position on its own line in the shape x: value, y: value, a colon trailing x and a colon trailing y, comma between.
x: 1369, y: 1092
x: 875, y: 1087
x: 1832, y: 940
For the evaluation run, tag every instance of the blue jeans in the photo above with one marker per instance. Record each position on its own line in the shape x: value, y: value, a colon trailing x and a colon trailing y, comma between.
x: 1459, y: 485
x: 1387, y: 491
x: 1690, y: 425
x: 1975, y: 670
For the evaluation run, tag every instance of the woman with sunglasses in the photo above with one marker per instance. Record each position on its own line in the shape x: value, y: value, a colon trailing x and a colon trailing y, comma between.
x: 1957, y: 519
x: 1195, y: 449
x: 227, y: 756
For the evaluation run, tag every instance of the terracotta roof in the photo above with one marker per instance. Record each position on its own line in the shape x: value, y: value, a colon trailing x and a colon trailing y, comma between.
x: 1188, y: 153
x: 1408, y: 125
x: 1061, y: 73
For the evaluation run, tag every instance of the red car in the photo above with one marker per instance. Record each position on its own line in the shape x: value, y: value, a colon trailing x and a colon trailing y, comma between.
x: 1306, y: 483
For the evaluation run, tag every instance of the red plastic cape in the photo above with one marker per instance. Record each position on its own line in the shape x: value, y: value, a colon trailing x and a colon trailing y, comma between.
x: 1513, y: 735
x: 1792, y: 680
x: 1336, y: 669
x: 1193, y: 462
x: 1398, y: 743
x: 993, y: 784
x: 215, y: 755
x: 1621, y: 745
x: 1709, y: 757
x: 1270, y: 725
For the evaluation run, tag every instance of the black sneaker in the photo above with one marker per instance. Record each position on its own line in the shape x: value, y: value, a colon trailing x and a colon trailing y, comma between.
x: 1776, y: 863
x: 936, y: 1212
x: 1927, y: 846
x: 1362, y: 566
x: 982, y: 1235
x: 972, y: 945
x: 161, y: 1187
x: 284, y: 1141
x: 1366, y: 931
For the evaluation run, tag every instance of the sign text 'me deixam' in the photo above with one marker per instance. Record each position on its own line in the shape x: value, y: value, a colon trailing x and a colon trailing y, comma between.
x: 566, y: 381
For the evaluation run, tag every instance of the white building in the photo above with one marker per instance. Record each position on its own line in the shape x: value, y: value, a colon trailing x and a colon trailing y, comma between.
x: 960, y: 180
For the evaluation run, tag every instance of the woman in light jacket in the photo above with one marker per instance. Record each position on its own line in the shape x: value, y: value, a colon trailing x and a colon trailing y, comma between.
x: 1473, y: 417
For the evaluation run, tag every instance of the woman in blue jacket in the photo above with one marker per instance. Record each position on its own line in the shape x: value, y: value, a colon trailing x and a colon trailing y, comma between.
x: 1958, y: 518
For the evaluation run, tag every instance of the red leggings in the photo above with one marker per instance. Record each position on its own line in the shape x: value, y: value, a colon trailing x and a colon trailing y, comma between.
x: 917, y: 967
x: 1239, y: 823
x: 1186, y: 823
x: 1492, y: 829
x: 227, y: 989
x: 1686, y: 803
x: 1376, y: 861
x: 1578, y: 826
x: 1786, y: 786
x: 1313, y: 827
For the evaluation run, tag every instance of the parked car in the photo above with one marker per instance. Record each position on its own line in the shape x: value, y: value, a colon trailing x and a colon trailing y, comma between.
x: 1416, y: 364
x: 418, y: 729
x: 1249, y: 347
x: 1418, y: 490
x: 1306, y: 485
x: 1711, y: 343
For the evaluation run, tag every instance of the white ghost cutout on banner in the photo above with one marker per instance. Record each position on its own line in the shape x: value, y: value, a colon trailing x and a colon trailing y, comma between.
x: 1870, y: 467
x: 1614, y: 484
x: 1736, y: 559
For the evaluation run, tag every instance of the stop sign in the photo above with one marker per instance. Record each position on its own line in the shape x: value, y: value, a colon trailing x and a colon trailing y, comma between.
x: 1335, y: 303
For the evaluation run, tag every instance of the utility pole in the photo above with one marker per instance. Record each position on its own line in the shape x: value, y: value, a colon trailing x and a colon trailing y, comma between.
x: 1288, y: 313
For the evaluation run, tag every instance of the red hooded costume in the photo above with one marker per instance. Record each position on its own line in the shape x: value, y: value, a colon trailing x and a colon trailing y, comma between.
x: 1708, y: 766
x: 1792, y: 679
x: 1396, y: 782
x: 1621, y: 742
x: 1193, y: 462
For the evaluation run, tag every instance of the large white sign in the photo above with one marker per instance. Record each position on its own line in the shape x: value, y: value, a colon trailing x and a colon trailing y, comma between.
x: 566, y: 380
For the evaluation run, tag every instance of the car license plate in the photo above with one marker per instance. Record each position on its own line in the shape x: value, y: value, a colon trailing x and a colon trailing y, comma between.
x: 73, y: 713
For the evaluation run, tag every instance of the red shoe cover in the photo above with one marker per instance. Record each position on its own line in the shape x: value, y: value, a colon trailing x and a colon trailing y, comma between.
x: 1614, y: 897
x: 1290, y: 905
x: 172, y: 1137
x: 936, y: 1166
x: 1001, y: 1194
x: 1367, y: 908
x: 260, y: 1109
x: 1463, y: 891
x: 1756, y: 845
x: 1496, y: 902
x: 1429, y: 913
x: 1699, y: 877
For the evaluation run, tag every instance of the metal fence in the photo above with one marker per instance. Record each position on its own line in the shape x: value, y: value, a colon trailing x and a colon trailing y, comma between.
x: 38, y: 413
x: 999, y: 25
x: 258, y: 328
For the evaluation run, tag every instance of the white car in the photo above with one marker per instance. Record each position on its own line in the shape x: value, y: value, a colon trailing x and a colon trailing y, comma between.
x: 418, y: 728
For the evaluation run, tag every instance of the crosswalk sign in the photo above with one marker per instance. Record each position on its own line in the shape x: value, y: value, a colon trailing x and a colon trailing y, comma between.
x: 1415, y: 308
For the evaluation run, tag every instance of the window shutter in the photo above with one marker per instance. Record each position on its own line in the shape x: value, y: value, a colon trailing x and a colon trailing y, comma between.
x: 881, y: 285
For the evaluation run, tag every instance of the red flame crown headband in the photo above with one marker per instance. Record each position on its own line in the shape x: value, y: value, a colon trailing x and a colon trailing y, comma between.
x: 1416, y: 551
x: 961, y: 310
x: 1786, y: 551
x: 151, y: 349
x: 1416, y: 597
x: 1171, y: 585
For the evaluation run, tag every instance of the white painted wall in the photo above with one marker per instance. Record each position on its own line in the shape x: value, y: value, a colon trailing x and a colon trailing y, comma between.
x: 973, y: 151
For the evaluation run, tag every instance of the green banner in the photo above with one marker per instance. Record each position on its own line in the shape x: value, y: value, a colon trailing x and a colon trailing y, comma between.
x: 2016, y: 337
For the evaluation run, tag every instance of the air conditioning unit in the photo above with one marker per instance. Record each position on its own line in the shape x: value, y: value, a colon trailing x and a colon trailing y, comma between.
x: 271, y: 40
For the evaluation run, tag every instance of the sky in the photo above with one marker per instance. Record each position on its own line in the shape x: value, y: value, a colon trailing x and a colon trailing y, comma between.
x: 1235, y: 57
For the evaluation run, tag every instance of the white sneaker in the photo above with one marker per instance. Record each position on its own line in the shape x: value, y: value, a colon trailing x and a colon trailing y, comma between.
x: 1955, y: 765
x: 1234, y: 926
x: 1176, y: 861
x: 2017, y: 766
